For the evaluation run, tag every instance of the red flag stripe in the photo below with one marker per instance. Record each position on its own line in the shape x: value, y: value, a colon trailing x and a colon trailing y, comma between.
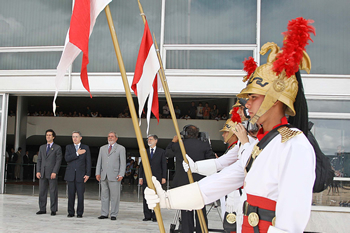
x: 146, y: 44
x: 155, y: 102
x: 79, y: 35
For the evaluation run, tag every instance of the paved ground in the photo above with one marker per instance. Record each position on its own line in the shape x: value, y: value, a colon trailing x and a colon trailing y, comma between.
x: 17, y: 214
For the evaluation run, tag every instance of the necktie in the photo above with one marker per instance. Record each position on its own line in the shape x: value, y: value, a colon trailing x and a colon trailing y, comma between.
x: 109, y: 149
x: 47, y: 149
x: 152, y: 153
x: 76, y: 147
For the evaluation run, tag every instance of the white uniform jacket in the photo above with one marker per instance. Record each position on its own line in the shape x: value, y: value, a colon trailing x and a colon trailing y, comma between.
x: 232, y: 155
x: 283, y: 172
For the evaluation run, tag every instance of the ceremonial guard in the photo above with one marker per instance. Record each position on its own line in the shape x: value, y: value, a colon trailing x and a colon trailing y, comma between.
x: 278, y: 172
x: 233, y: 133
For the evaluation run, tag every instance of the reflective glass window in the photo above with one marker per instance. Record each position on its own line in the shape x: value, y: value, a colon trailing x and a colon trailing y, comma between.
x: 206, y: 59
x: 333, y: 137
x: 129, y: 29
x: 29, y: 61
x: 34, y: 22
x: 210, y: 22
x: 342, y: 106
x: 330, y: 51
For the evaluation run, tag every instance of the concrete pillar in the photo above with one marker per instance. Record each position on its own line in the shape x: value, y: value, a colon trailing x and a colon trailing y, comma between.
x: 231, y: 102
x: 21, y: 126
x: 3, y: 131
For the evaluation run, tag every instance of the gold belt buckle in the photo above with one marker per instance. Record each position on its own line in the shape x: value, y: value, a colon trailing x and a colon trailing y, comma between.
x: 273, y: 221
x: 231, y: 218
x: 253, y: 219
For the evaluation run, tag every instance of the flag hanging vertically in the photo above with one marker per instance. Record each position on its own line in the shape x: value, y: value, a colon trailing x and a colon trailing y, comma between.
x: 82, y: 22
x: 145, y: 83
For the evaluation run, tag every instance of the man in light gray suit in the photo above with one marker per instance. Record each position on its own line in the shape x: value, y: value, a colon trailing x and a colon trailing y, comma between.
x: 110, y: 170
x: 48, y: 165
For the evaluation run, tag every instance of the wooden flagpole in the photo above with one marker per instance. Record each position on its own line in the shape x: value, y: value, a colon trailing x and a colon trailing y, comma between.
x: 173, y: 116
x: 143, y: 153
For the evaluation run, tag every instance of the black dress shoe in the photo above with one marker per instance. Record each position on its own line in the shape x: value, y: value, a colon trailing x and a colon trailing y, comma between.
x: 154, y: 220
x: 53, y: 213
x: 146, y: 219
x: 113, y: 218
x: 41, y: 212
x: 79, y: 216
x: 102, y: 217
x: 70, y: 215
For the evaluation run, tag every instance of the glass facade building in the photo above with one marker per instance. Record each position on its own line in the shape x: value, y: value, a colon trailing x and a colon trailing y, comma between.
x: 196, y: 37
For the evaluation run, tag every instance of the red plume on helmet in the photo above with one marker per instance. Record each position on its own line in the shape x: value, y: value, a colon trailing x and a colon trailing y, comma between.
x: 297, y: 37
x: 235, y: 116
x: 249, y: 67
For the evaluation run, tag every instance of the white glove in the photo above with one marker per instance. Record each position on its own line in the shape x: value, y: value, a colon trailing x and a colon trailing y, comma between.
x: 153, y: 198
x: 230, y: 203
x: 190, y: 164
x: 204, y: 167
x: 187, y: 197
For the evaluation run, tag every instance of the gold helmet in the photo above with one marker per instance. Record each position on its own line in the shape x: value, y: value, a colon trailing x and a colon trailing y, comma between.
x: 241, y: 104
x: 276, y: 79
x: 230, y: 124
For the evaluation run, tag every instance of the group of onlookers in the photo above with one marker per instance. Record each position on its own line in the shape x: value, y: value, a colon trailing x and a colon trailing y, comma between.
x: 195, y: 112
x: 198, y: 111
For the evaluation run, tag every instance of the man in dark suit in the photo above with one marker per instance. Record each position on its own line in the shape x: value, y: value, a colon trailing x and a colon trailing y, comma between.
x: 157, y: 160
x: 26, y: 166
x: 78, y: 171
x: 197, y: 150
x: 48, y: 166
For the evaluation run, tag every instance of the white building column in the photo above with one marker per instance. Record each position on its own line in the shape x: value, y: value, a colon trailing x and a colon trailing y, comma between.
x: 3, y: 131
x: 21, y: 126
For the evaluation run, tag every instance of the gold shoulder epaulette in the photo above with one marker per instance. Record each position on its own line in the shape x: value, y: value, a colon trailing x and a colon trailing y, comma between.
x: 287, y: 133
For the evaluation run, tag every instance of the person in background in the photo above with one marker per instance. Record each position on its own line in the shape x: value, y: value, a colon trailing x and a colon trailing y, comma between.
x: 157, y: 160
x: 214, y: 112
x: 206, y: 111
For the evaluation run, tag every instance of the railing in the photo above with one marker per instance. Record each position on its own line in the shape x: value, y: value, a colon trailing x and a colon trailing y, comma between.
x: 33, y: 165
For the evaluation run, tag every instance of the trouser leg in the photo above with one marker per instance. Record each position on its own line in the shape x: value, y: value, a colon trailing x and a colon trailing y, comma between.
x: 71, y: 197
x: 104, y: 197
x: 80, y: 193
x: 198, y: 225
x: 114, y: 188
x: 43, y: 189
x: 187, y: 221
x: 53, y: 194
x: 146, y: 212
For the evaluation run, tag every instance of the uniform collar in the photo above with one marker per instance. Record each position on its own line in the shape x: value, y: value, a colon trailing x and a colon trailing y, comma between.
x: 261, y: 132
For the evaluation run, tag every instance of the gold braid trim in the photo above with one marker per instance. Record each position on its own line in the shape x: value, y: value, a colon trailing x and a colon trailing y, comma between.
x: 287, y: 133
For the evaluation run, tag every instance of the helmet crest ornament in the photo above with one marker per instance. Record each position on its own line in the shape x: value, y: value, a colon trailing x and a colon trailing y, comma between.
x: 276, y: 79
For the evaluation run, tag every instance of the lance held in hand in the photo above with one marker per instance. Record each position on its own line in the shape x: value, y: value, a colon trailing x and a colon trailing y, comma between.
x: 173, y: 116
x: 143, y: 153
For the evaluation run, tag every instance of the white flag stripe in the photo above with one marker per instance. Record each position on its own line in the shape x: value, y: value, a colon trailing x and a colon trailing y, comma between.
x: 144, y: 86
x: 149, y: 108
x: 70, y: 51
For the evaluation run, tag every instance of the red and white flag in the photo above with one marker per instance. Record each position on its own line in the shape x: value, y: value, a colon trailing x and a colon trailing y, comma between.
x: 82, y: 22
x: 145, y: 83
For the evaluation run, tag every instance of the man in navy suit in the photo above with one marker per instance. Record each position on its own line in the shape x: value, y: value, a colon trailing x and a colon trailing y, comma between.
x: 78, y: 171
x: 157, y: 160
